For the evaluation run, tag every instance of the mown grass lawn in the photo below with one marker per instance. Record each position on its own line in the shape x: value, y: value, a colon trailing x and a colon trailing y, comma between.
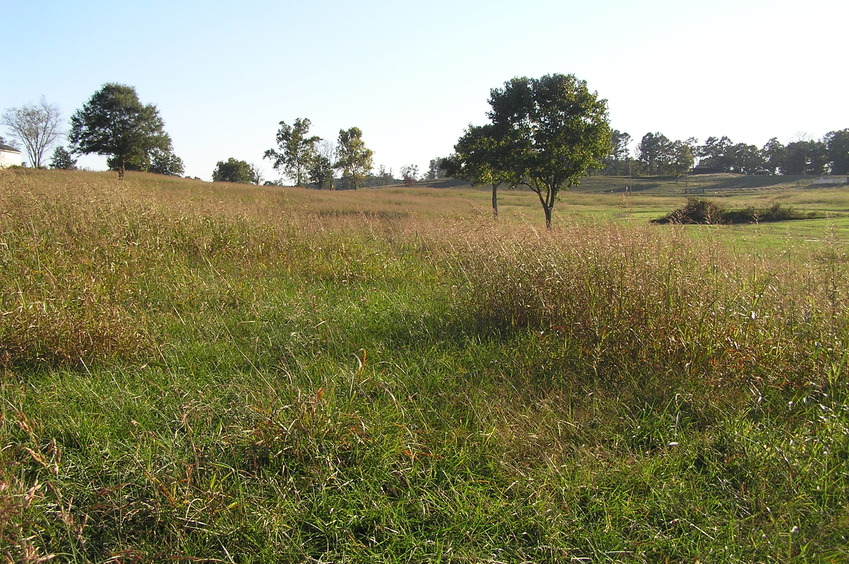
x: 215, y: 372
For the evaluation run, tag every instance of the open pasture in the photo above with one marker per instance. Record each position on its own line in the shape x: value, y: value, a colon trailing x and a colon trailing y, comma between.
x: 230, y: 373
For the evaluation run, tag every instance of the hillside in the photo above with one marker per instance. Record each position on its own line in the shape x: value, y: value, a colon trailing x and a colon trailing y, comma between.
x: 199, y: 372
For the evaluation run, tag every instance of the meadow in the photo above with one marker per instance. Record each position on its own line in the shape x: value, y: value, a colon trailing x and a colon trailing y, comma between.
x: 195, y: 372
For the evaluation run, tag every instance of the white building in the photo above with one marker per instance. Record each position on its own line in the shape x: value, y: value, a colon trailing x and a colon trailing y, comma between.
x: 9, y: 156
x: 831, y: 180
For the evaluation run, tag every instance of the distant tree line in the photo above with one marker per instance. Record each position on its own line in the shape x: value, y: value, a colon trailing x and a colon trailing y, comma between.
x: 309, y: 160
x: 115, y: 123
x: 656, y: 155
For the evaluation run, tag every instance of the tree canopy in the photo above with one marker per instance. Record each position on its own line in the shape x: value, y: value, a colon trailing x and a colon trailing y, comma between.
x: 234, y: 170
x: 478, y: 159
x: 838, y: 151
x: 166, y: 162
x: 63, y: 160
x: 545, y: 134
x: 115, y: 123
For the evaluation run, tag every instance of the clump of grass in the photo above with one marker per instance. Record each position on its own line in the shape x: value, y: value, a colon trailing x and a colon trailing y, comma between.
x: 708, y: 212
x: 624, y: 299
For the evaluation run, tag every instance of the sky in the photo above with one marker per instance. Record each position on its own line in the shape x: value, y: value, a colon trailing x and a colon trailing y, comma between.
x: 414, y: 75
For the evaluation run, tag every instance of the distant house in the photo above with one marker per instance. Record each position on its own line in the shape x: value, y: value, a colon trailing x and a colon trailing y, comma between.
x: 9, y: 156
x: 831, y: 180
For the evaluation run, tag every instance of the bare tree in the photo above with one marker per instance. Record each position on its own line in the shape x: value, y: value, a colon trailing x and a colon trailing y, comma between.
x: 257, y: 174
x: 36, y: 126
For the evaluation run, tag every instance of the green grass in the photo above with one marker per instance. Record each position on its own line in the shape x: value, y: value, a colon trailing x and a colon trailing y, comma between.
x: 198, y: 372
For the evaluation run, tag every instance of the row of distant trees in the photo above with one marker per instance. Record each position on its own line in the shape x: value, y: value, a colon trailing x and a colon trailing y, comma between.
x: 115, y: 123
x: 307, y: 158
x: 310, y: 161
x: 657, y: 155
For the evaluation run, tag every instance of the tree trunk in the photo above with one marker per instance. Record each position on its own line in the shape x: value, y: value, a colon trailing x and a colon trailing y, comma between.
x: 547, y: 216
x: 495, y: 201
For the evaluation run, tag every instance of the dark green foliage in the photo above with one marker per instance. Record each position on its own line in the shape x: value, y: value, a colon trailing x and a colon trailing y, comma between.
x: 166, y: 162
x: 544, y: 134
x: 838, y: 151
x: 773, y: 154
x: 321, y: 172
x: 618, y: 161
x: 233, y: 170
x: 653, y: 153
x: 62, y: 159
x: 116, y: 124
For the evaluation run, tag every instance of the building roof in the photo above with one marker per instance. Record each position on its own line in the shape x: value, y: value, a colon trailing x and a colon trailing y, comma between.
x: 8, y: 149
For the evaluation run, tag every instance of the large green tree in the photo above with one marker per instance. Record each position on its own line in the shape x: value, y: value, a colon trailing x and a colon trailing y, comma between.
x: 353, y: 158
x: 545, y: 134
x: 36, y: 126
x: 234, y: 170
x: 116, y: 124
x: 773, y: 153
x: 681, y: 157
x: 654, y: 153
x: 805, y: 157
x: 746, y: 159
x: 838, y: 151
x: 296, y: 150
x: 715, y: 154
x: 618, y: 161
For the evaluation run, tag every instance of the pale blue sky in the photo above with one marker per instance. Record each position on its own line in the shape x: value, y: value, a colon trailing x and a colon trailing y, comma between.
x: 413, y: 75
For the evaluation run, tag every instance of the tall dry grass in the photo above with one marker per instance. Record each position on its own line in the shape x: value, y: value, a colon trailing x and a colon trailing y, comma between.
x: 617, y: 300
x: 221, y: 372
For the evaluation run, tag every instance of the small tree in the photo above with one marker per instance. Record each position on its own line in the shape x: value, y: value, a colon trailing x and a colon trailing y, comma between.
x: 296, y: 150
x: 353, y: 158
x: 479, y: 158
x: 546, y: 133
x: 321, y: 168
x: 436, y: 169
x: 115, y: 123
x: 36, y: 126
x: 233, y: 171
x: 256, y: 174
x: 410, y: 174
x: 63, y: 160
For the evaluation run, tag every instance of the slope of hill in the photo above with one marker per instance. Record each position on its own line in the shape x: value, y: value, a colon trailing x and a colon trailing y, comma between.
x: 227, y: 373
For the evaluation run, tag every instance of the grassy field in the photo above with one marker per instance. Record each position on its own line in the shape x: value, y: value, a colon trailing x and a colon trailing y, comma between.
x: 196, y: 372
